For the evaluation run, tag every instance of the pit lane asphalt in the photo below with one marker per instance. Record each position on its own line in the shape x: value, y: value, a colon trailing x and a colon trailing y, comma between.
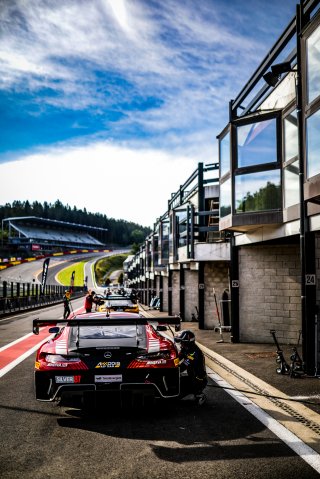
x: 251, y: 368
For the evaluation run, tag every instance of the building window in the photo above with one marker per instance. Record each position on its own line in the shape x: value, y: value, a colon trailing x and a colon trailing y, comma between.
x: 225, y: 155
x: 291, y: 169
x: 225, y: 198
x: 291, y: 184
x: 182, y: 228
x: 260, y: 191
x: 155, y: 251
x: 313, y: 65
x: 313, y: 145
x: 291, y: 136
x: 257, y: 143
x: 165, y: 241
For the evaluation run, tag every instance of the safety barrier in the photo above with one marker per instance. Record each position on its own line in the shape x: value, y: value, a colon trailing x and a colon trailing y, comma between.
x: 16, y: 297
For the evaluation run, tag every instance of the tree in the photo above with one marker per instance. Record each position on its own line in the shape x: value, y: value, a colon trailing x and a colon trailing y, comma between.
x: 119, y: 232
x: 137, y: 236
x: 134, y: 248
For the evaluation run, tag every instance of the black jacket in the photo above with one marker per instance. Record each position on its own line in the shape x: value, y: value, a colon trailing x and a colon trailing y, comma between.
x: 192, y: 360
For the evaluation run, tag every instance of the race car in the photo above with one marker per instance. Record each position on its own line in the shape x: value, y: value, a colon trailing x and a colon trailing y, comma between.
x: 119, y: 303
x: 119, y: 357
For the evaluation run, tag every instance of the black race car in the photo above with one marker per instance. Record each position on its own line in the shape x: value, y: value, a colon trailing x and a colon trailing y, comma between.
x: 97, y: 357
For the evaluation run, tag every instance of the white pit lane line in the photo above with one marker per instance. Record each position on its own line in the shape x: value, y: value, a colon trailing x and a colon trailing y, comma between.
x: 308, y: 454
x: 15, y: 342
x: 21, y: 358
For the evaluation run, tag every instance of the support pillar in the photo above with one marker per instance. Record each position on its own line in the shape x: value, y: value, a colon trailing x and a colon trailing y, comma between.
x: 234, y: 280
x: 161, y: 292
x: 182, y: 293
x: 201, y: 294
x: 170, y: 292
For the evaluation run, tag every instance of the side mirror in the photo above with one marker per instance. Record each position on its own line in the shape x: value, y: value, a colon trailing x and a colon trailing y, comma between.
x: 54, y: 330
x: 161, y: 327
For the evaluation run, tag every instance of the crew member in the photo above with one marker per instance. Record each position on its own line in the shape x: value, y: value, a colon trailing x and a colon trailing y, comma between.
x: 66, y: 304
x: 192, y: 362
x: 89, y: 300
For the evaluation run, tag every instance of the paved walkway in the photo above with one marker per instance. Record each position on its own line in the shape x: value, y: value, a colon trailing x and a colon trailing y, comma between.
x: 251, y: 368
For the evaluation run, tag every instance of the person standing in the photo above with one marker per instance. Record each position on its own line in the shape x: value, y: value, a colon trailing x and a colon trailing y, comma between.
x: 89, y: 301
x: 66, y: 304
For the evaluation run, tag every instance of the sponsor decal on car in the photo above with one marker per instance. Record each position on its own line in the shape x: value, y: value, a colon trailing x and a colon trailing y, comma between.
x: 108, y: 364
x: 157, y: 361
x: 108, y: 378
x: 64, y: 379
x: 57, y: 365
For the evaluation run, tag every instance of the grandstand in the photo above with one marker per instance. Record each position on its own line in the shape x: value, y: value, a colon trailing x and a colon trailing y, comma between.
x: 34, y: 234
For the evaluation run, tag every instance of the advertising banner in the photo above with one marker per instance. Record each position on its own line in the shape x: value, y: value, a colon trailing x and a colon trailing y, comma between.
x: 44, y: 274
x: 72, y: 281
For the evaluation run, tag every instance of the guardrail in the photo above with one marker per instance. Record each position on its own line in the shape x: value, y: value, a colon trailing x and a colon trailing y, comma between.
x: 13, y: 261
x: 16, y: 297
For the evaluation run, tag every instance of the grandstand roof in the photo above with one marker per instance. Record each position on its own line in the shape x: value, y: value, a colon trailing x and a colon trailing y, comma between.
x: 56, y: 223
x: 51, y: 233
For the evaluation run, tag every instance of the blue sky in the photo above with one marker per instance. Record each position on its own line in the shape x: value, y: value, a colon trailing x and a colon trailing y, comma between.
x: 111, y: 104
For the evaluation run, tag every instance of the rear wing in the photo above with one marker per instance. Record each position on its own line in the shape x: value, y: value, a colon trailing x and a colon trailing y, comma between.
x: 110, y: 297
x: 166, y: 320
x: 116, y: 299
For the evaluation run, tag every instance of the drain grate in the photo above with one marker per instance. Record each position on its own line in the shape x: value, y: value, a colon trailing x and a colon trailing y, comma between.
x: 285, y: 407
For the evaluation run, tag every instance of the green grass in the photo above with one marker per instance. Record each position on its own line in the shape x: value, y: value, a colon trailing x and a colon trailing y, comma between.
x: 105, y: 266
x: 64, y: 277
x: 102, y: 270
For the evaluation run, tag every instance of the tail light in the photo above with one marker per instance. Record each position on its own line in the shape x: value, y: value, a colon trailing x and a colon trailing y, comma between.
x: 165, y: 354
x: 165, y: 358
x: 58, y: 361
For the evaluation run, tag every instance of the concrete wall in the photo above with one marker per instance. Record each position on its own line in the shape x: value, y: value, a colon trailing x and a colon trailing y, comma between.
x: 317, y: 255
x: 175, y: 292
x: 156, y: 284
x: 165, y: 305
x: 216, y: 275
x: 191, y: 293
x: 269, y: 294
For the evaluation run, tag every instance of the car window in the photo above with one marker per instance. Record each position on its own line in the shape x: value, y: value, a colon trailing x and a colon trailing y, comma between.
x: 94, y: 336
x: 100, y: 332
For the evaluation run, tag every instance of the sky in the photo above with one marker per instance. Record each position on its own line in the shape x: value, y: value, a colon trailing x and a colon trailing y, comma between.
x: 110, y: 105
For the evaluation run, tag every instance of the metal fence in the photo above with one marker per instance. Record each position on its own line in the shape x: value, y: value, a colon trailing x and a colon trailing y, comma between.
x: 15, y: 296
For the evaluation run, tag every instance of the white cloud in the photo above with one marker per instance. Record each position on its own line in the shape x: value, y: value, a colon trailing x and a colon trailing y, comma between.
x: 112, y: 180
x: 174, y: 47
x: 192, y: 58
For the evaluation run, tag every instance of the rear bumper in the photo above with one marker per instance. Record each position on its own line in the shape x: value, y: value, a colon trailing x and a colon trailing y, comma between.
x: 159, y: 383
